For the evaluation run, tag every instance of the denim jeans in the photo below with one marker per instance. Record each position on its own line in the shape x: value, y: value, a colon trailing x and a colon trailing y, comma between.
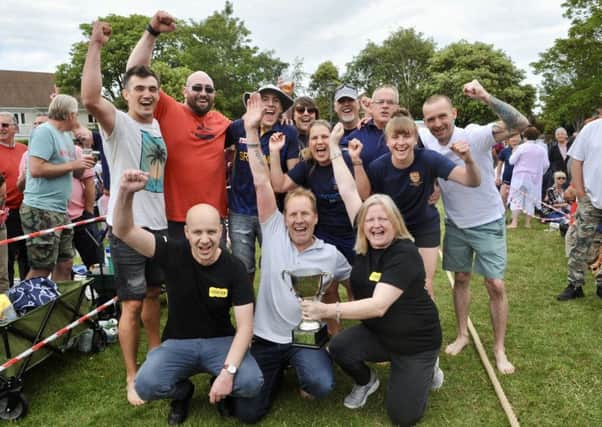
x: 314, y: 371
x: 167, y: 368
x: 244, y: 230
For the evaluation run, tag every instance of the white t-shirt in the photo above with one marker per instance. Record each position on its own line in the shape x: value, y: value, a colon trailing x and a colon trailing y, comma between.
x: 134, y: 145
x: 278, y: 310
x: 467, y: 206
x: 588, y: 148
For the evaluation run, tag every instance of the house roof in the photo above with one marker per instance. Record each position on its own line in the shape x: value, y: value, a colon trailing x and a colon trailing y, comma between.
x: 25, y: 89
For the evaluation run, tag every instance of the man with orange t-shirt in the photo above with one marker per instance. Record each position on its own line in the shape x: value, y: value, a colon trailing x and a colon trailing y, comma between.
x: 194, y: 134
x: 10, y: 156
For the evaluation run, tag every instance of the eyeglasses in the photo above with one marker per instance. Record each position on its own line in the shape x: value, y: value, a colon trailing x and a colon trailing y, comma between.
x: 199, y: 88
x: 5, y: 125
x: 301, y: 110
x: 384, y: 101
x: 561, y: 178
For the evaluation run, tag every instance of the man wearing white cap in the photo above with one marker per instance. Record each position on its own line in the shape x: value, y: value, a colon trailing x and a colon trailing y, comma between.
x: 347, y: 107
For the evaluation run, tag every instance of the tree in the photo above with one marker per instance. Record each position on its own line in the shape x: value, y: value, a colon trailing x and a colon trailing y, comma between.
x: 461, y: 62
x: 572, y: 88
x: 401, y: 60
x: 322, y: 85
x: 219, y: 45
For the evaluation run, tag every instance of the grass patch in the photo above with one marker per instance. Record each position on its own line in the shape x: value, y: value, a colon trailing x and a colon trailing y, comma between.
x: 554, y: 346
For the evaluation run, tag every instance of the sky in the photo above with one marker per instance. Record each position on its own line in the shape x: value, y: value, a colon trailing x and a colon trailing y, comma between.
x: 37, y: 35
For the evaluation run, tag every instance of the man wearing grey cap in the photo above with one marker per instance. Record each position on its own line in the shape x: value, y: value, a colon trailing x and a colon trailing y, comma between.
x: 244, y: 226
x: 347, y: 107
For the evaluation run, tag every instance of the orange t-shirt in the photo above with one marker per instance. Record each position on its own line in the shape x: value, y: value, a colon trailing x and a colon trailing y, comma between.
x: 196, y: 170
x: 9, y: 166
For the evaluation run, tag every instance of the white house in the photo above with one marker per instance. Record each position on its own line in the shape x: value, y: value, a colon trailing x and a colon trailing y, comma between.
x: 26, y: 94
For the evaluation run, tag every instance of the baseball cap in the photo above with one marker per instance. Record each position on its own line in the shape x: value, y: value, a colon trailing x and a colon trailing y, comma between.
x: 345, y: 91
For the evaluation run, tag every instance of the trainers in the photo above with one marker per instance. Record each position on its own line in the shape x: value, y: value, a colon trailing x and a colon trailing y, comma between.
x: 571, y: 292
x: 359, y: 394
x: 179, y: 408
x: 599, y: 291
x: 438, y: 377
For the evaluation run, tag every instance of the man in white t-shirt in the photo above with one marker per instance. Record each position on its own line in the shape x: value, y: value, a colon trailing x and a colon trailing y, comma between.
x: 586, y: 172
x: 474, y: 224
x: 131, y: 141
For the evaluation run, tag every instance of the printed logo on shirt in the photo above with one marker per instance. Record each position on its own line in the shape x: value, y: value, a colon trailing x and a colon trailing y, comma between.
x: 204, y: 133
x: 375, y: 276
x: 218, y: 292
x: 415, y: 178
x: 152, y: 160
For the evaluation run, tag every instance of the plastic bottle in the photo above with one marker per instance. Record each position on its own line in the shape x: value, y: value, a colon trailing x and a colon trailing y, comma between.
x: 108, y: 261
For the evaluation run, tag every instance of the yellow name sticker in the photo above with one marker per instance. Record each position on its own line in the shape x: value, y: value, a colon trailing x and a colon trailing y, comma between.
x: 375, y: 276
x: 218, y: 292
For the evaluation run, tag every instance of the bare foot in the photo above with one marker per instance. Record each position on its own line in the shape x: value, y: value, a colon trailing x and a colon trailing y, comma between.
x: 503, y: 364
x: 511, y: 226
x: 133, y: 397
x: 457, y: 346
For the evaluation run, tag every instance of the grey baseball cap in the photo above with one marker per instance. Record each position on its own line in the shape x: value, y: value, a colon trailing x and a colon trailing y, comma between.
x: 345, y: 91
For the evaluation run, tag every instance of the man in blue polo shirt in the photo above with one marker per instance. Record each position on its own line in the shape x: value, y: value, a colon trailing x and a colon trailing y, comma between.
x: 385, y: 103
x: 243, y: 222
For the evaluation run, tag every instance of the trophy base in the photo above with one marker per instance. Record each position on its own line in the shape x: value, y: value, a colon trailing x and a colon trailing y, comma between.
x: 310, y: 339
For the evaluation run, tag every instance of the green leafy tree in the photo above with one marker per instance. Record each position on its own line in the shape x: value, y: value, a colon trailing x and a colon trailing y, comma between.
x: 461, y: 62
x: 572, y: 86
x: 322, y: 85
x: 401, y: 60
x: 220, y: 45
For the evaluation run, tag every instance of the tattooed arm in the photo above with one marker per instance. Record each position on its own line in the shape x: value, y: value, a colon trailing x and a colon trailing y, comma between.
x: 512, y: 121
x: 266, y: 200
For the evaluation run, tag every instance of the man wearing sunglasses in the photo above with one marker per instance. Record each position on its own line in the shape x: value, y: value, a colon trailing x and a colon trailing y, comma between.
x: 385, y: 103
x: 194, y: 133
x: 10, y: 156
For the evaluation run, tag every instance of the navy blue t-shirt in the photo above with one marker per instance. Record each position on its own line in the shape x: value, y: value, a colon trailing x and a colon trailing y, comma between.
x: 241, y: 196
x: 410, y: 188
x: 504, y: 156
x: 373, y: 141
x: 333, y: 222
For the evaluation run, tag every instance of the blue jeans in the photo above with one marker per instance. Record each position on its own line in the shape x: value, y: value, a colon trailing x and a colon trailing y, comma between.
x: 314, y: 371
x: 244, y: 229
x: 167, y: 368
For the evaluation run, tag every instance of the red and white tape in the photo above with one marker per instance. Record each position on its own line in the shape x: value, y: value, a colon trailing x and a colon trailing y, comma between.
x: 52, y: 230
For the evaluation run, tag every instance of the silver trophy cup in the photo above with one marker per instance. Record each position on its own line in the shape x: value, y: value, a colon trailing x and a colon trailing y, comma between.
x: 309, y: 283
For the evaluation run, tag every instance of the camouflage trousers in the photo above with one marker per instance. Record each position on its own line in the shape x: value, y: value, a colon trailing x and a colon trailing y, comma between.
x: 583, y: 243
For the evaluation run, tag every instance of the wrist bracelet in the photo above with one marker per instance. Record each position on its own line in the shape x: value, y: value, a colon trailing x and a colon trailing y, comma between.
x: 357, y: 162
x: 152, y: 31
x: 337, y: 309
x: 335, y: 155
x: 252, y: 145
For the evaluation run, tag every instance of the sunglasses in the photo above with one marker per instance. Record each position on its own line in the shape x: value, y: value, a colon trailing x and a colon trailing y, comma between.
x: 5, y: 125
x: 301, y: 110
x: 199, y: 88
x: 561, y: 178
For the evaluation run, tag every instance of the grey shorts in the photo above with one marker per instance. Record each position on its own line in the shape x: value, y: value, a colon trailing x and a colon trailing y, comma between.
x: 483, y: 246
x: 244, y: 230
x: 134, y: 272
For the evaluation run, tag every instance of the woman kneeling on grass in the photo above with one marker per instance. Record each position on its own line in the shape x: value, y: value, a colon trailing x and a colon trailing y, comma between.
x: 400, y: 322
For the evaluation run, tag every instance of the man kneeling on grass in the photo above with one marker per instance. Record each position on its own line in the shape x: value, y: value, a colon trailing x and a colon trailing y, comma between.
x: 202, y: 283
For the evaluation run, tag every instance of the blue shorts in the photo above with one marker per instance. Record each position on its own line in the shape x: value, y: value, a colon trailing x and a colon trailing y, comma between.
x: 483, y: 246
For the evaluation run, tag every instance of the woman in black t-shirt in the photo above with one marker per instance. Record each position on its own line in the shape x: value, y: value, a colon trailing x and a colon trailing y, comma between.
x: 399, y: 321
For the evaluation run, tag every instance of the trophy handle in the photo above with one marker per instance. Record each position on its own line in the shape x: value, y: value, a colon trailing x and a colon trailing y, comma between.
x: 285, y: 273
x: 325, y: 284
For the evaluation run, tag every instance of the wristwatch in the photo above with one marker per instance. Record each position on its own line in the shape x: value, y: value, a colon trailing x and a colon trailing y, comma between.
x: 231, y: 369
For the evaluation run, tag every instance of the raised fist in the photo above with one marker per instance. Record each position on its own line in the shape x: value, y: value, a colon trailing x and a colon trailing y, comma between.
x: 101, y: 32
x: 163, y: 22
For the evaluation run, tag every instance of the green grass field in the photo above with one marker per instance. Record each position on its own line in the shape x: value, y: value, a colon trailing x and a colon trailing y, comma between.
x: 554, y: 346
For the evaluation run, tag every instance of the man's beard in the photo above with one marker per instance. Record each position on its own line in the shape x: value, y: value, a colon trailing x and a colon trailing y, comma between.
x: 197, y: 109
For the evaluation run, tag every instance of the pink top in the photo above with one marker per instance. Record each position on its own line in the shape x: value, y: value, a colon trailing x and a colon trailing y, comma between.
x: 529, y: 158
x: 77, y: 203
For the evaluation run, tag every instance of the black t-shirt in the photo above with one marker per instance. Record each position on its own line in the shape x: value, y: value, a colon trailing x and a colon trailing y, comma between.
x: 411, y: 325
x: 200, y: 297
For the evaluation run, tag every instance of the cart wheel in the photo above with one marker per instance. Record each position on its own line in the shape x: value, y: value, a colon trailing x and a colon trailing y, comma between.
x: 13, y: 406
x: 99, y: 340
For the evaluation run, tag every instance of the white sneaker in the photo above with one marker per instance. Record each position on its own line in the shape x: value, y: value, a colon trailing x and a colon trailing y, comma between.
x: 438, y: 377
x: 359, y: 393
